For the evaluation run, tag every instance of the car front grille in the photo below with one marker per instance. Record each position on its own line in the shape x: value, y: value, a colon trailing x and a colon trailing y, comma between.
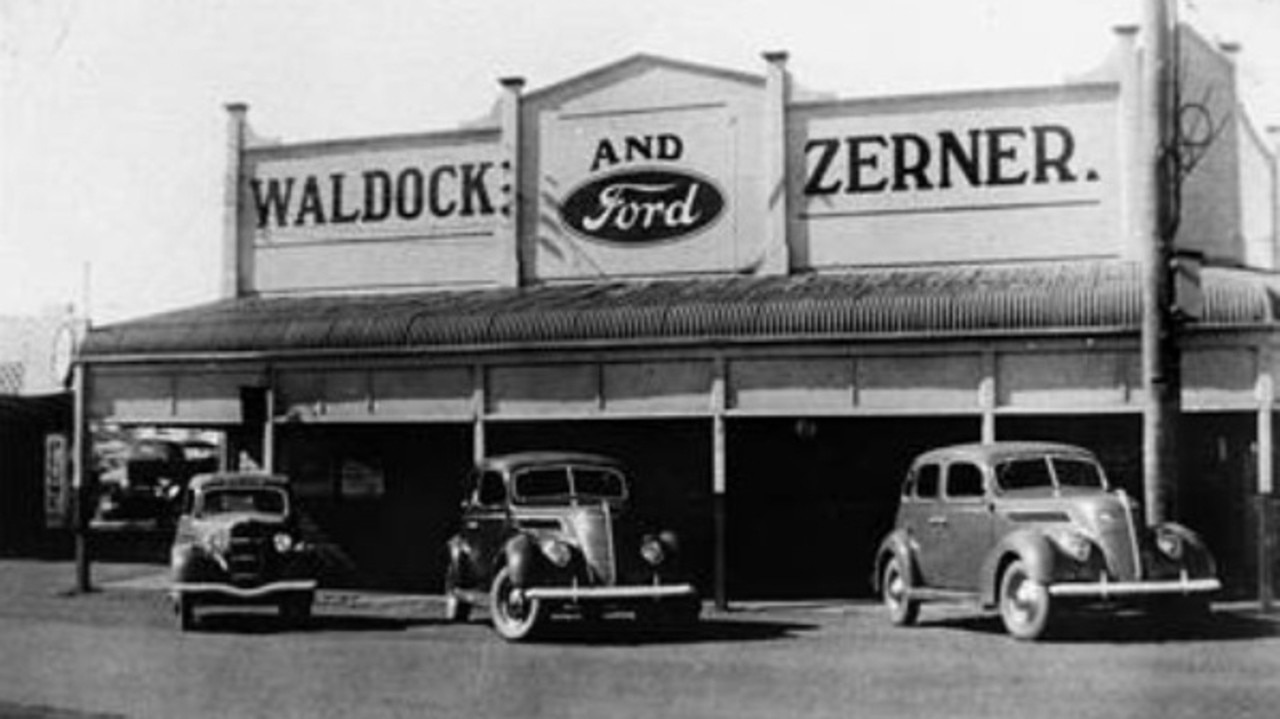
x: 249, y: 556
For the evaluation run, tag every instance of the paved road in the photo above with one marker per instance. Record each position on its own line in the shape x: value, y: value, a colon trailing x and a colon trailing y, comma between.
x: 116, y: 653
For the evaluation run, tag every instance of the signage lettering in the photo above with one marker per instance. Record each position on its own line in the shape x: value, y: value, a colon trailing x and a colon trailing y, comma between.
x: 646, y: 205
x: 642, y: 204
x: 903, y: 162
x: 314, y: 200
x: 647, y: 147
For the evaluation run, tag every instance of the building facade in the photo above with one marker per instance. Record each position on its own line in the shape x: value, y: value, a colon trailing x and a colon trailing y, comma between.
x: 764, y: 300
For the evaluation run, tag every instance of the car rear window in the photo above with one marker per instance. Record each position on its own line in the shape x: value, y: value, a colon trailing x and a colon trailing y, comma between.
x: 927, y: 481
x: 964, y: 480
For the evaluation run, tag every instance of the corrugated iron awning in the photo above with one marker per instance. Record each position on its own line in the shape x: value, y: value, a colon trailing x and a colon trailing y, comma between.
x: 883, y: 303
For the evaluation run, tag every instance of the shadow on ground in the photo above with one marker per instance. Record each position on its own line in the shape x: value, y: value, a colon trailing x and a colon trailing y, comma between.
x: 1129, y: 627
x: 231, y: 621
x: 624, y: 631
x: 11, y: 710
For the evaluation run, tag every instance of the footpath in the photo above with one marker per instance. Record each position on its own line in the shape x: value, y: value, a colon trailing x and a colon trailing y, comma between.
x: 26, y: 585
x: 47, y: 587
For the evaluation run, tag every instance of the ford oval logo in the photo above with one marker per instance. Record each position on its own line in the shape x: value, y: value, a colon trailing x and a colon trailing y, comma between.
x: 640, y: 206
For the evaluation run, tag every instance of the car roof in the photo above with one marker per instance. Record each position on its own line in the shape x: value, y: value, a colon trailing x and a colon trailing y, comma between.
x: 996, y: 451
x: 517, y: 460
x: 238, y: 479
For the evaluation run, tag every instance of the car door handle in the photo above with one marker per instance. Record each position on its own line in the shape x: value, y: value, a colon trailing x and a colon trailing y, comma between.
x: 473, y: 525
x: 937, y: 521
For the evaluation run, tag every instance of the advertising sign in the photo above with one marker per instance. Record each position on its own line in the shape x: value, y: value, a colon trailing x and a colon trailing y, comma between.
x: 644, y: 204
x: 638, y: 192
x: 426, y: 191
x: 57, y: 480
x: 970, y: 181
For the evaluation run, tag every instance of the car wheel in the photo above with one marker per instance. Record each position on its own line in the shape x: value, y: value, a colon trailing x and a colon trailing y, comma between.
x: 514, y: 616
x: 903, y: 611
x: 1025, y: 604
x: 296, y: 610
x: 185, y: 608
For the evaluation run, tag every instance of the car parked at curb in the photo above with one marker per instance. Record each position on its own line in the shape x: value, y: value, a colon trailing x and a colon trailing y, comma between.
x: 548, y: 532
x: 237, y: 543
x: 140, y: 489
x: 1031, y: 528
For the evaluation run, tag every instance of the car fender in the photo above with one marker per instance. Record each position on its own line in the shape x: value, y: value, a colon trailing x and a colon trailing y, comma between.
x: 1032, y: 547
x: 897, y: 544
x: 521, y: 554
x: 193, y: 563
x: 1197, y: 558
x: 461, y: 560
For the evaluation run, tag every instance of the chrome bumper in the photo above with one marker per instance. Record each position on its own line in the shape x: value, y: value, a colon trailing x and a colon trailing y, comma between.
x: 1107, y: 590
x: 577, y: 594
x: 291, y: 585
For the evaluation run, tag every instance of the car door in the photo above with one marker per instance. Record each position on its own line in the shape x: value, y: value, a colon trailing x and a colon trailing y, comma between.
x: 966, y: 531
x: 925, y: 523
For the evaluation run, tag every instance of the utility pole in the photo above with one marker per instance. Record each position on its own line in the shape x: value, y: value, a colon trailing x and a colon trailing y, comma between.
x: 1161, y: 360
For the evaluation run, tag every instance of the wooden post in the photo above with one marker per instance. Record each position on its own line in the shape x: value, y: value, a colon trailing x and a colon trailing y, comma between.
x: 1266, y: 486
x: 987, y: 399
x: 81, y: 479
x: 719, y: 472
x: 775, y: 254
x: 509, y: 226
x: 233, y: 259
x: 1161, y: 365
x: 478, y: 402
x: 269, y: 430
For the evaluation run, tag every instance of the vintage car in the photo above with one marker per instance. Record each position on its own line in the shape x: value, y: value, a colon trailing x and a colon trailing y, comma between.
x: 140, y: 489
x: 554, y: 531
x: 1032, y: 527
x: 237, y: 543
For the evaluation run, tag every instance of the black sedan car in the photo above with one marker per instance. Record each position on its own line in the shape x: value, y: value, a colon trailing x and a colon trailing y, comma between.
x: 545, y: 532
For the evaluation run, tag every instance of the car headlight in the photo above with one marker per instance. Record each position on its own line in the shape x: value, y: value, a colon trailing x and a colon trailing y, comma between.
x: 652, y: 551
x: 1170, y: 545
x: 556, y: 551
x: 283, y: 542
x: 1073, y: 544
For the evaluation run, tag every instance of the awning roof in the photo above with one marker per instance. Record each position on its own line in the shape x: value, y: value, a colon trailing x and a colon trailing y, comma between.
x: 882, y: 303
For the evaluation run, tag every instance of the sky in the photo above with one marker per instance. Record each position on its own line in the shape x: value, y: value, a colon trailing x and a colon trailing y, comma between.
x: 113, y: 133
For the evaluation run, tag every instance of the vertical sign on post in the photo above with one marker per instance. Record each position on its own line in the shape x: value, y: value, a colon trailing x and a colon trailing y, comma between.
x: 57, y: 484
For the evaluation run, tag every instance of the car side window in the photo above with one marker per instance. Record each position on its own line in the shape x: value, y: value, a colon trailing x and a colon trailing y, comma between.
x: 927, y: 481
x: 492, y: 489
x: 964, y: 481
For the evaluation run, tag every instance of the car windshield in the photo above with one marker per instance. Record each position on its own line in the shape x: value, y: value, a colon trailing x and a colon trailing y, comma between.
x: 225, y: 501
x: 1024, y: 474
x: 1077, y: 473
x: 1034, y: 473
x: 592, y: 482
x: 552, y: 483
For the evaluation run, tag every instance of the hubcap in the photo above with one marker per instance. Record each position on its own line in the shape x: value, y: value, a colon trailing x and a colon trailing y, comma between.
x: 897, y: 588
x: 1025, y: 599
